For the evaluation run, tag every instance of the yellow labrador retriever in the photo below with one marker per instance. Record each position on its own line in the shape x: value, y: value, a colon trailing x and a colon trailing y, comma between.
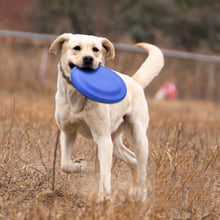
x: 105, y: 123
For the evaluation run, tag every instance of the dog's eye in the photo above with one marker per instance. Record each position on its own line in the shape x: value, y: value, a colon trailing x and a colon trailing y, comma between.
x: 95, y: 49
x: 77, y: 48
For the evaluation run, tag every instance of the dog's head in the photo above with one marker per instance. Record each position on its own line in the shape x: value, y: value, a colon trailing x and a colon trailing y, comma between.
x: 84, y: 51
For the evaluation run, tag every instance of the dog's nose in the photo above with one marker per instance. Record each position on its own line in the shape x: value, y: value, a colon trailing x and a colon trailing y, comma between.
x: 88, y: 60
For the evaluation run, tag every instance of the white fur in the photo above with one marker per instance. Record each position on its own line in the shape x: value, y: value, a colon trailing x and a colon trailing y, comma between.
x: 105, y: 123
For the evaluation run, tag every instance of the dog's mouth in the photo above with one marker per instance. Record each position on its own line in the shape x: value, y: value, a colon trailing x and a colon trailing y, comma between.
x: 84, y: 67
x: 87, y: 68
x: 71, y: 65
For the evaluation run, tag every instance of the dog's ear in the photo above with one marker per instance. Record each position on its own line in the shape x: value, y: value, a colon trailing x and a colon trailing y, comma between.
x: 110, y: 50
x: 57, y: 44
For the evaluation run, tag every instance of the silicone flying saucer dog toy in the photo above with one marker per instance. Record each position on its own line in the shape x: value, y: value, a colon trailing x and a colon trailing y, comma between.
x: 100, y: 85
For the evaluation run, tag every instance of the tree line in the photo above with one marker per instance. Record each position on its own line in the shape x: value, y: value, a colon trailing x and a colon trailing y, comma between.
x: 186, y: 23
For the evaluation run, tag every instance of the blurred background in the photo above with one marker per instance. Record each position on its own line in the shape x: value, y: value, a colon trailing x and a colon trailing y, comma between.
x: 181, y: 25
x: 184, y: 134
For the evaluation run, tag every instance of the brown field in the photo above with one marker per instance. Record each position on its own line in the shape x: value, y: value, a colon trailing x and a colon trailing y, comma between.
x: 183, y: 166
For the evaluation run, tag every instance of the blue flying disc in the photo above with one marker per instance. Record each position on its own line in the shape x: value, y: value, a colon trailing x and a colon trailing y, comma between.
x: 100, y: 85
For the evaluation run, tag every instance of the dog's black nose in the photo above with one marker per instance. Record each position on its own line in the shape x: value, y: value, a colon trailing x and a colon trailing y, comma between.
x: 88, y: 60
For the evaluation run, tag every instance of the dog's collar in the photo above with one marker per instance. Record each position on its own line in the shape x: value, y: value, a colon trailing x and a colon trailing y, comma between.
x: 67, y: 78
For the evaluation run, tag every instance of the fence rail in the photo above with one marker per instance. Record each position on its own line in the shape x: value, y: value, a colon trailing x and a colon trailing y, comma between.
x: 170, y: 53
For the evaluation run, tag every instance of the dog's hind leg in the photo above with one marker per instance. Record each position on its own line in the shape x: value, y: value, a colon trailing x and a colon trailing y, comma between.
x: 126, y: 155
x: 67, y: 165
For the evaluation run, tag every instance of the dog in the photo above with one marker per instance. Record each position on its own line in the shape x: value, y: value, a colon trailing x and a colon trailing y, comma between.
x: 104, y: 123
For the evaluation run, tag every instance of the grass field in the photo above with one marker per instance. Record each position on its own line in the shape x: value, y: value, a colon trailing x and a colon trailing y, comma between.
x: 183, y: 167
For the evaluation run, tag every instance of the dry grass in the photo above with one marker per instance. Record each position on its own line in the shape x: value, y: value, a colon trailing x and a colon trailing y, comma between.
x: 183, y: 167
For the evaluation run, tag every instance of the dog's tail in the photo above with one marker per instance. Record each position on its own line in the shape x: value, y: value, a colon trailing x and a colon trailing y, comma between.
x: 151, y: 66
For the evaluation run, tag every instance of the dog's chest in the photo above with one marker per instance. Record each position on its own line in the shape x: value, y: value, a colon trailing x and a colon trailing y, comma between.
x: 70, y: 112
x: 70, y: 121
x: 76, y: 101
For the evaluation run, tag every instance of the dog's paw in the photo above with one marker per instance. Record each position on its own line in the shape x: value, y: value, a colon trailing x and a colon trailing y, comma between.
x: 74, y: 167
x: 138, y: 193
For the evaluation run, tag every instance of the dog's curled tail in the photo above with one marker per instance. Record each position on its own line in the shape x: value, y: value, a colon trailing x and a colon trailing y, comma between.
x: 151, y: 66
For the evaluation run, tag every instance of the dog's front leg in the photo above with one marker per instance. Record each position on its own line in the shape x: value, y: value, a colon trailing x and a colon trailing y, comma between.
x: 67, y: 165
x: 105, y: 151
